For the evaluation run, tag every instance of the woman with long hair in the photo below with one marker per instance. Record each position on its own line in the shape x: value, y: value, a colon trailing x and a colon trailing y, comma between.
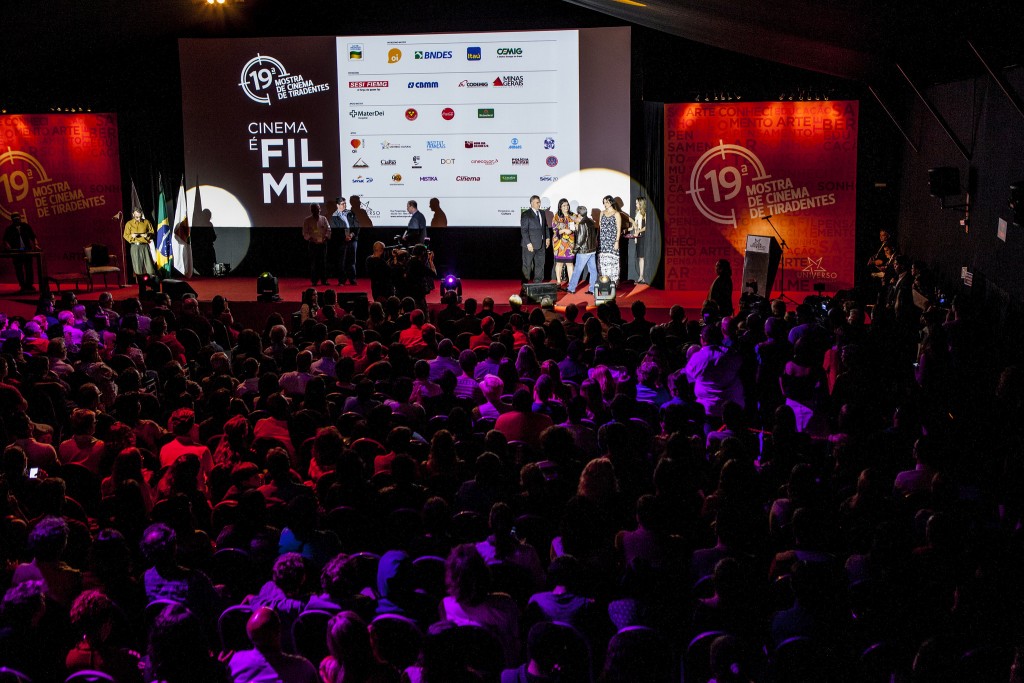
x: 610, y: 231
x: 563, y: 240
x: 640, y: 234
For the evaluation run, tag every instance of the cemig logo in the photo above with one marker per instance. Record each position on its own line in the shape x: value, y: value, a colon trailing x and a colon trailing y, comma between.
x: 520, y: 161
x: 551, y: 161
x: 473, y: 54
x: 549, y: 143
x: 394, y: 55
x: 435, y: 144
x: 411, y: 114
x: 472, y: 144
x: 467, y: 178
x: 422, y: 84
x: 514, y: 144
x: 509, y: 81
x: 473, y: 84
x: 509, y: 52
x: 447, y: 113
x: 432, y: 54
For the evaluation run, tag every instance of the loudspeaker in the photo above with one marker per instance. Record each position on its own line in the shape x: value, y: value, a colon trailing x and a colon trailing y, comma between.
x: 943, y: 181
x: 760, y: 263
x: 355, y: 303
x: 536, y: 291
x: 176, y: 289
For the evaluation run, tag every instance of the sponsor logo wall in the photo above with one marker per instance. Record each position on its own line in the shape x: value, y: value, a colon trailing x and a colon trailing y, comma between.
x: 728, y: 167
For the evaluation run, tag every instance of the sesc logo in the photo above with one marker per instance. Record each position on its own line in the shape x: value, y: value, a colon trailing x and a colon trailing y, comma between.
x: 435, y: 144
x: 432, y: 54
x: 520, y: 161
x: 472, y: 144
x: 548, y: 178
x: 422, y: 84
x: 509, y: 82
x: 485, y: 113
x: 447, y: 162
x: 366, y: 113
x: 447, y: 113
x: 394, y: 55
x: 509, y: 52
x: 473, y: 84
x: 549, y: 143
x: 551, y: 161
x: 514, y: 144
x: 508, y: 178
x: 411, y: 114
x: 467, y: 178
x: 388, y: 162
x: 473, y: 54
x: 428, y: 178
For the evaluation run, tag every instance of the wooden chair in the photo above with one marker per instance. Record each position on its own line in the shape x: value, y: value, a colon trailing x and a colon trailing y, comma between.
x: 99, y: 261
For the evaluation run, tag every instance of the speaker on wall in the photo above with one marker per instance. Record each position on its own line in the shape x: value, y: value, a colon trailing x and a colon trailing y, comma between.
x: 943, y: 181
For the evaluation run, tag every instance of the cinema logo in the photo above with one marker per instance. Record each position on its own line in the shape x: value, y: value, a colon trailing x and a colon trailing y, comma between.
x: 815, y: 271
x: 263, y: 75
x: 23, y: 179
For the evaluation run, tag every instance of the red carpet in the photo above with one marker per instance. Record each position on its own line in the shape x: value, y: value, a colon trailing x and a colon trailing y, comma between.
x: 241, y: 293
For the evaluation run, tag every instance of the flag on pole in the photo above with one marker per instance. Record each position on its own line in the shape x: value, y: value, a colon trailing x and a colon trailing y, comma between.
x: 164, y: 252
x: 182, y: 247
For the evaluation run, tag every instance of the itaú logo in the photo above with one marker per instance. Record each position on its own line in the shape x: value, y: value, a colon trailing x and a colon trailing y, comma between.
x: 468, y: 178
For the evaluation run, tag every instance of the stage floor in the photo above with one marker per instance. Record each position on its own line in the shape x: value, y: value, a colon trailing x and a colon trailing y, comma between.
x: 241, y: 293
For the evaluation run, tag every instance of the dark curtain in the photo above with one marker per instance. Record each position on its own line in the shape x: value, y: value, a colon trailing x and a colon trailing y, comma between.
x: 652, y: 182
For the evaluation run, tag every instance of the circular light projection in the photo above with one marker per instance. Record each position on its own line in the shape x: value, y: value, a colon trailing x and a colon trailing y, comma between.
x: 229, y: 218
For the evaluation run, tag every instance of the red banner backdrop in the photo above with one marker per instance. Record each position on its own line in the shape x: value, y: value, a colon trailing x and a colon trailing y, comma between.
x: 728, y: 166
x: 62, y: 174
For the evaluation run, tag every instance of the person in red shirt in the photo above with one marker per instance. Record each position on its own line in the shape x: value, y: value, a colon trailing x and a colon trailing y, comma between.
x: 412, y: 337
x: 522, y: 424
x: 485, y: 337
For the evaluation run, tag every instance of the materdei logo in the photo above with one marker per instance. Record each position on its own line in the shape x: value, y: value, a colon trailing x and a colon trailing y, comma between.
x: 509, y: 82
x: 367, y: 85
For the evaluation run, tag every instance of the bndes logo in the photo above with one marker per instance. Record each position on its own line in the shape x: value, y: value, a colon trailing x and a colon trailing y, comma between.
x: 423, y: 84
x: 366, y: 113
x: 467, y: 178
x: 435, y: 54
x: 508, y: 52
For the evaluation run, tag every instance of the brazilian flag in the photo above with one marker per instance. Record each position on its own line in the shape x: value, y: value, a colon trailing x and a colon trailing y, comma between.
x: 164, y: 246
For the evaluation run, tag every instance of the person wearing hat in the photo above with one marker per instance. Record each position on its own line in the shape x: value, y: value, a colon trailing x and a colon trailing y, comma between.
x: 344, y: 223
x: 20, y: 237
x: 139, y: 233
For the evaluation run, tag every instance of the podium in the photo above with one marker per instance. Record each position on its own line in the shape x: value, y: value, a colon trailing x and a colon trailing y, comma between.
x: 761, y: 263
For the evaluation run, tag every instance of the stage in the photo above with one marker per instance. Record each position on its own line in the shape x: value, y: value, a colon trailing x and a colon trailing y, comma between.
x: 241, y: 293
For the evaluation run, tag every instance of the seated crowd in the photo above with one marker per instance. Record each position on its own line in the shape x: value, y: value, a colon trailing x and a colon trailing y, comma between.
x: 781, y: 495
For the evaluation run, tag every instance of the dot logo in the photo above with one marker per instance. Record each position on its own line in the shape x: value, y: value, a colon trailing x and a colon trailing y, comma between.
x: 447, y: 113
x: 411, y: 114
x: 551, y: 161
x: 473, y: 54
x: 394, y: 55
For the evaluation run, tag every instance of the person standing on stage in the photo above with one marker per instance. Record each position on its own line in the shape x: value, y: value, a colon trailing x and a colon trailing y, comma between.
x: 640, y: 235
x: 563, y: 239
x: 416, y: 233
x: 139, y: 233
x: 535, y: 242
x: 19, y: 236
x: 344, y: 223
x: 585, y: 248
x: 379, y: 272
x: 316, y: 230
x: 608, y: 239
x: 721, y: 288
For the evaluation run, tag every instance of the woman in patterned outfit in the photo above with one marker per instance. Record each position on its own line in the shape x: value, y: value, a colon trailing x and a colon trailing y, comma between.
x: 563, y: 239
x: 608, y: 239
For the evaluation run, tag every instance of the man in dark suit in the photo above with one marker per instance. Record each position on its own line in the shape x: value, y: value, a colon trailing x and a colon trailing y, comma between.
x: 416, y: 233
x: 535, y: 240
x: 343, y: 222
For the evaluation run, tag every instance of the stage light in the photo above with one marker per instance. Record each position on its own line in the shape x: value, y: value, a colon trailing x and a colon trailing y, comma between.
x: 148, y: 286
x: 605, y: 290
x: 266, y: 287
x: 451, y: 283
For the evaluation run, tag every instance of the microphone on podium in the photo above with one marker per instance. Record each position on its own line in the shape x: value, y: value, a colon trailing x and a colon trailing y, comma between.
x: 117, y: 216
